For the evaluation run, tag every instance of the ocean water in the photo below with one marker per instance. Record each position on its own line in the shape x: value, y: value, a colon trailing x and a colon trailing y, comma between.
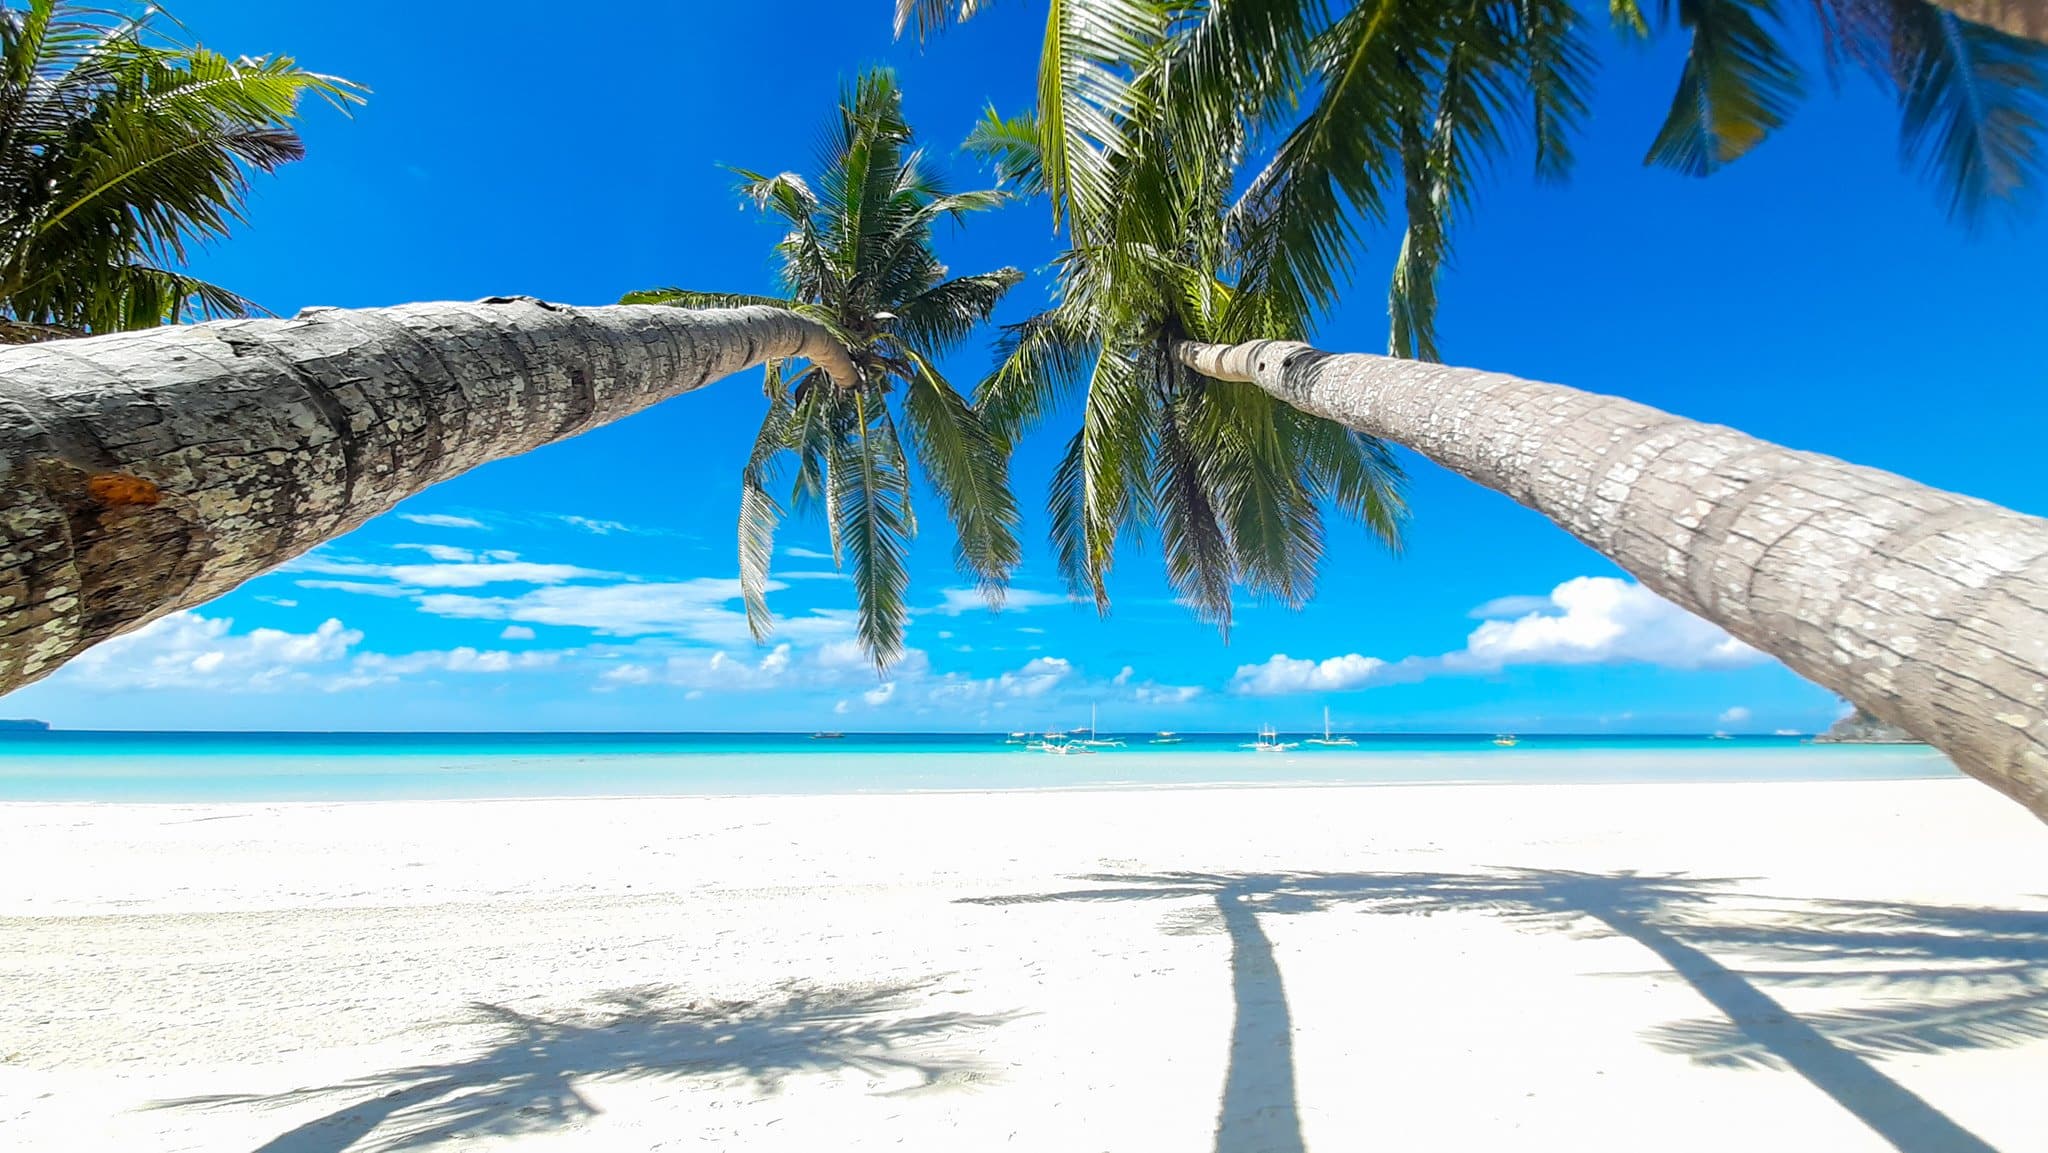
x: 128, y: 766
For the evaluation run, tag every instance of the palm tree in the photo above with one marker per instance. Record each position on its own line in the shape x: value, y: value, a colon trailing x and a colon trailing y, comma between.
x: 1410, y: 101
x: 858, y: 261
x: 1926, y: 608
x: 1234, y: 482
x: 117, y: 152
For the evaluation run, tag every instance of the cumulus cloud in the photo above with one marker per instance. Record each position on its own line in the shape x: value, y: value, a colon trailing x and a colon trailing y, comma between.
x: 187, y: 650
x: 1284, y: 674
x: 1605, y: 620
x: 1036, y: 678
x: 880, y: 694
x: 1584, y: 621
x: 440, y: 520
x: 383, y: 668
x: 516, y: 633
x: 1735, y: 716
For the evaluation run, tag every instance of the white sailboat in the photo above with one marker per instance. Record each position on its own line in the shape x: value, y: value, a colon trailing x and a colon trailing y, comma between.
x: 1269, y: 742
x: 1095, y: 741
x: 1328, y: 741
x: 1166, y: 738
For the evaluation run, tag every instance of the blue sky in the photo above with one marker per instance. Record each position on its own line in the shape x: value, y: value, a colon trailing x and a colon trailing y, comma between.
x: 1813, y: 294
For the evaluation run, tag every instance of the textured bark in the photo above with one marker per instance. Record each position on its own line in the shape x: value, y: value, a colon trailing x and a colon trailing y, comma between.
x: 2026, y: 19
x: 1926, y: 608
x: 148, y: 472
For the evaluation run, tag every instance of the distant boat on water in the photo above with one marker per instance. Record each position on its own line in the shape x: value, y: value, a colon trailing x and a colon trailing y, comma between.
x: 1507, y: 740
x: 828, y: 736
x: 1166, y: 738
x: 1328, y: 741
x: 1269, y: 742
x: 1096, y: 741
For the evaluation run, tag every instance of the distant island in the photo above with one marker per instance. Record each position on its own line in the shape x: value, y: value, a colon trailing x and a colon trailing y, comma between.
x: 23, y: 726
x: 1860, y: 728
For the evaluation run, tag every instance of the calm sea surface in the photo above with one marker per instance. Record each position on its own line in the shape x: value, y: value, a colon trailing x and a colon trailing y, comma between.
x: 82, y: 766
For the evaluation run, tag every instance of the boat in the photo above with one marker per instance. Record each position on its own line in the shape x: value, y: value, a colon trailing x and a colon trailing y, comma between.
x: 1721, y: 737
x: 1059, y: 745
x: 828, y: 736
x: 1017, y: 738
x: 1099, y: 742
x: 1269, y: 742
x: 1506, y: 740
x: 1328, y: 741
x: 1166, y: 738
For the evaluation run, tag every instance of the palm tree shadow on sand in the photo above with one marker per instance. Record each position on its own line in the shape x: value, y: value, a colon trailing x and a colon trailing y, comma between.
x: 1949, y: 977
x: 526, y: 1081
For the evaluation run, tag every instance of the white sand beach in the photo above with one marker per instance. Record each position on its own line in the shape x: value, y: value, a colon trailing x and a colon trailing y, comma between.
x: 1838, y: 966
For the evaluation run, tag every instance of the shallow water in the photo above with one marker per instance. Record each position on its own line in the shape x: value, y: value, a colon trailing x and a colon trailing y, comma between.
x: 79, y: 766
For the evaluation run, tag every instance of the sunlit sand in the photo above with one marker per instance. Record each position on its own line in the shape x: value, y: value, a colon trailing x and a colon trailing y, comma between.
x: 1832, y: 966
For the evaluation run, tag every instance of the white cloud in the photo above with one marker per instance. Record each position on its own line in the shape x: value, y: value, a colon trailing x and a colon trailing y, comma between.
x: 1152, y: 694
x: 1036, y: 678
x: 516, y: 633
x: 1511, y: 607
x: 378, y: 668
x: 955, y: 601
x: 806, y: 553
x: 825, y: 575
x: 1605, y: 620
x: 703, y: 609
x: 1735, y: 716
x: 599, y: 527
x: 187, y: 650
x: 280, y: 602
x: 880, y: 694
x: 460, y: 574
x: 1584, y: 621
x: 442, y: 552
x: 1284, y: 674
x: 359, y: 588
x: 843, y: 707
x: 440, y: 520
x: 1030, y: 629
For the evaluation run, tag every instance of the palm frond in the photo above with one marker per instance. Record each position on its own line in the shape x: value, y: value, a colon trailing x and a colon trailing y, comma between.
x: 969, y: 466
x: 689, y: 298
x: 759, y: 513
x: 936, y: 320
x: 1738, y: 85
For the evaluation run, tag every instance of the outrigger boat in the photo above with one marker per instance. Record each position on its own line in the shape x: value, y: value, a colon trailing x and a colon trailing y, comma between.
x: 1269, y: 742
x: 1166, y: 738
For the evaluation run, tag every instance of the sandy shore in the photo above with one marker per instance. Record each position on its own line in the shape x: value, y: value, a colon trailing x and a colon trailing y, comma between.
x: 1843, y: 966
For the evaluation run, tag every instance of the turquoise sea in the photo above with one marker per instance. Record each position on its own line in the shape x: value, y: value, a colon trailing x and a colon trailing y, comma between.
x: 136, y: 766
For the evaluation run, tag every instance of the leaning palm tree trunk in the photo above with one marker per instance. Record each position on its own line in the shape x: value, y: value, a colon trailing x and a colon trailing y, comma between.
x: 1927, y: 608
x: 147, y: 472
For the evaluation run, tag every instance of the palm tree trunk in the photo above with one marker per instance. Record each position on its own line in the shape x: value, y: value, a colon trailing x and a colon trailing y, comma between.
x: 147, y: 472
x: 1927, y: 608
x: 2026, y: 19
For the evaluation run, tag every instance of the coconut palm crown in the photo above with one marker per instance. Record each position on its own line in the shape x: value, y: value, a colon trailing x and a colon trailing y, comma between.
x: 1235, y: 483
x: 1392, y: 110
x: 118, y: 151
x: 858, y: 259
